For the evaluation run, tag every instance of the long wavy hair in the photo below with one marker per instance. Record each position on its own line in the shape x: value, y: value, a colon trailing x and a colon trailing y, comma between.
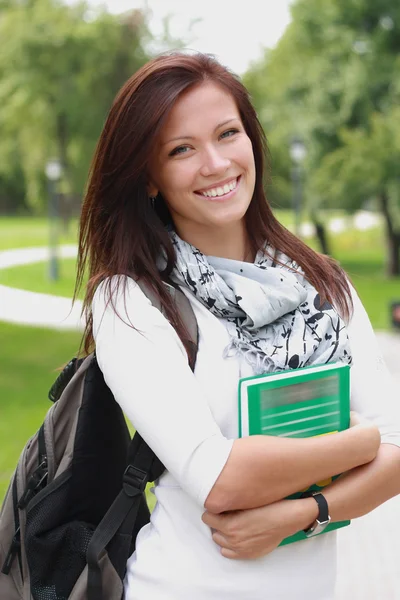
x: 122, y: 233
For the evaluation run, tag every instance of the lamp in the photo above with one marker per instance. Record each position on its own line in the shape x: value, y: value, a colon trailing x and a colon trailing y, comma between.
x: 53, y: 172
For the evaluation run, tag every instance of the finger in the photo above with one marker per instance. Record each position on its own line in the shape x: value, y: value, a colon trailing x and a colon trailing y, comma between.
x: 354, y: 418
x: 211, y: 520
x: 227, y: 553
x: 357, y: 419
x: 221, y: 540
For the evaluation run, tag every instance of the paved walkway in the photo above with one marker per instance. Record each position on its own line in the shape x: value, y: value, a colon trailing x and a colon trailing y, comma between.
x: 369, y: 550
x: 30, y: 308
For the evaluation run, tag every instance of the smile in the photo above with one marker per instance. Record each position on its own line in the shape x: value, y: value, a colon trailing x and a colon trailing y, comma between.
x: 220, y: 190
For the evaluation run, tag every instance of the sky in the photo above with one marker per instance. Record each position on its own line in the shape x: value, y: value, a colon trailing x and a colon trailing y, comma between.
x: 234, y: 30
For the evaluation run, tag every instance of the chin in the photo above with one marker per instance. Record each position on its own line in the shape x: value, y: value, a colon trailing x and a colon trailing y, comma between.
x: 227, y: 221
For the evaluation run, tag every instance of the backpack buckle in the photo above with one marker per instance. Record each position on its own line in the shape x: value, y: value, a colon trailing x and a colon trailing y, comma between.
x: 134, y: 480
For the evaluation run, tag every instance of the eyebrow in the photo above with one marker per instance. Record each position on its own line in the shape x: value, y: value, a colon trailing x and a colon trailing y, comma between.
x: 190, y: 137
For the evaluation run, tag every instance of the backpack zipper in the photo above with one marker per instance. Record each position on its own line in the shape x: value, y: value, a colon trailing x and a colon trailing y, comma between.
x: 38, y: 476
x: 15, y: 547
x: 34, y: 484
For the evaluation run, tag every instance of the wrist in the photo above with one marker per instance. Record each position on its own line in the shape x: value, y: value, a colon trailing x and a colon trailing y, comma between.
x: 306, y: 513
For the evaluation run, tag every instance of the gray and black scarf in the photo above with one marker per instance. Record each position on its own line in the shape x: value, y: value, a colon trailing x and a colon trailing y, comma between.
x: 274, y: 316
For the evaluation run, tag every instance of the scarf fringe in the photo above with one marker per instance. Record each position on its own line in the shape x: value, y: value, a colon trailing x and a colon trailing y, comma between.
x: 260, y: 362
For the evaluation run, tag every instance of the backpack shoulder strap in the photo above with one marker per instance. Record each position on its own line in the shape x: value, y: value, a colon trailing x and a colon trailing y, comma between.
x: 185, y: 311
x: 142, y: 464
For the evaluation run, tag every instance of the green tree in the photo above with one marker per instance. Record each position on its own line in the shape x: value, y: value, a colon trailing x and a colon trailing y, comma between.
x: 60, y: 69
x: 334, y: 80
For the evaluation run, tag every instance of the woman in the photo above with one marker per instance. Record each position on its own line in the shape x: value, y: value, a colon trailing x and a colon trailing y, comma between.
x: 176, y: 191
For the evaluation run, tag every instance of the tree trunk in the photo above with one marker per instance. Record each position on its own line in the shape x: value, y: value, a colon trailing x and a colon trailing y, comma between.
x: 393, y: 264
x: 392, y: 239
x: 320, y: 232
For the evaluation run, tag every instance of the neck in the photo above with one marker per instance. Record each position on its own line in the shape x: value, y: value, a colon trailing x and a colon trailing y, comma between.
x: 230, y: 243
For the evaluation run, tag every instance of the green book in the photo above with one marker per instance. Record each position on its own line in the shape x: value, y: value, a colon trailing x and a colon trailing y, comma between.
x: 298, y: 403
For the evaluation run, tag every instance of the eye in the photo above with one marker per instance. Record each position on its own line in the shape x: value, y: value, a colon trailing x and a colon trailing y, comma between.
x: 179, y: 150
x: 229, y: 133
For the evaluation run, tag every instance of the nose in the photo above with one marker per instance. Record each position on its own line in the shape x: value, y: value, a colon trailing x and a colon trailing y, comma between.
x: 214, y: 162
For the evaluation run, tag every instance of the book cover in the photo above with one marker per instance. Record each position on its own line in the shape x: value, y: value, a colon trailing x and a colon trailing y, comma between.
x: 303, y: 402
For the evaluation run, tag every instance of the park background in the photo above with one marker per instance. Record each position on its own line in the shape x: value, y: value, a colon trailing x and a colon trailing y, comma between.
x: 326, y: 85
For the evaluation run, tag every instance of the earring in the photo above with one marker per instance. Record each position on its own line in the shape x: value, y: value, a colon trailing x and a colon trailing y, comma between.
x: 152, y: 200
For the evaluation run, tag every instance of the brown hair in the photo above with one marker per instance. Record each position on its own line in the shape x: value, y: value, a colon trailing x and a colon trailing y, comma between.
x: 121, y: 233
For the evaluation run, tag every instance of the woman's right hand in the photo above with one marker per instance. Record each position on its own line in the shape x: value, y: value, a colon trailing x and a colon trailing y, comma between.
x: 366, y: 435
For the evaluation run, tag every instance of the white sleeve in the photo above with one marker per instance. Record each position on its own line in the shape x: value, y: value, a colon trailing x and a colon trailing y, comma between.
x: 374, y: 393
x: 146, y: 368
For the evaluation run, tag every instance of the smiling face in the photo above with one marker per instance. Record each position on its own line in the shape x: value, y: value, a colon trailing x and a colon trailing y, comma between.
x: 203, y: 164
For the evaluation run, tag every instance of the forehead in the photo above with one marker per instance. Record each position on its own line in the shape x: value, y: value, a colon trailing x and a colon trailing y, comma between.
x: 199, y: 109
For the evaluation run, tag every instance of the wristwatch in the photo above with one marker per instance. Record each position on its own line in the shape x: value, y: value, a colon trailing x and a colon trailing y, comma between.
x: 323, y: 518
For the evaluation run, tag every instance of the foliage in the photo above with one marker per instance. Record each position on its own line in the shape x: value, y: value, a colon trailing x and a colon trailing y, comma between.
x: 334, y: 80
x: 60, y: 67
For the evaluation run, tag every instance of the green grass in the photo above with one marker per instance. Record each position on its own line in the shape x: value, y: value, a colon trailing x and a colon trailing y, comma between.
x: 26, y: 232
x: 35, y: 278
x: 30, y: 358
x: 376, y: 291
x: 361, y: 253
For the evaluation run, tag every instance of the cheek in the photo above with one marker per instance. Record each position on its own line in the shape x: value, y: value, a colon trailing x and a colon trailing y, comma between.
x: 245, y: 157
x: 250, y: 157
x: 177, y: 179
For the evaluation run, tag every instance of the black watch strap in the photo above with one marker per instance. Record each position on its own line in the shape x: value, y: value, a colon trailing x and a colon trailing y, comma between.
x: 323, y: 514
x: 323, y: 518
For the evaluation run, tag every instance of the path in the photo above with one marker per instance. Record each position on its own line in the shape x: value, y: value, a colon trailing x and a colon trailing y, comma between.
x: 31, y: 308
x: 369, y: 550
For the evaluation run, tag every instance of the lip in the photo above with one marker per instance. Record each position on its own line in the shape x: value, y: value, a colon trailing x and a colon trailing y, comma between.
x: 225, y: 196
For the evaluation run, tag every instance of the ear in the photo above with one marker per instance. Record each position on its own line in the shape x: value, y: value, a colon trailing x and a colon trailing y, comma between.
x: 152, y: 189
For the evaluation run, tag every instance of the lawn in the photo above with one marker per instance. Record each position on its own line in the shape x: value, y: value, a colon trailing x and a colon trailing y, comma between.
x: 26, y: 232
x: 35, y: 278
x: 361, y: 253
x: 30, y: 358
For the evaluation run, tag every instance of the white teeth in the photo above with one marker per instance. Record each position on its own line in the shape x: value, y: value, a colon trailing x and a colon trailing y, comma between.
x: 220, y: 191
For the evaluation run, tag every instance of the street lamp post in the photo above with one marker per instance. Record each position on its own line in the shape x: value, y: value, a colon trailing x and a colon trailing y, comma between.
x: 53, y: 174
x: 297, y: 154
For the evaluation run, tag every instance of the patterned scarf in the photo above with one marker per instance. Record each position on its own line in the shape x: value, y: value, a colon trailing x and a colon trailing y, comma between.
x: 274, y: 316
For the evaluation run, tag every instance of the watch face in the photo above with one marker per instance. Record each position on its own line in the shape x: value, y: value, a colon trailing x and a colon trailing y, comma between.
x: 317, y: 527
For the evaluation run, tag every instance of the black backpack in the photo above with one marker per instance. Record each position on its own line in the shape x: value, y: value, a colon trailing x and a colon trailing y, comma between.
x: 76, y: 501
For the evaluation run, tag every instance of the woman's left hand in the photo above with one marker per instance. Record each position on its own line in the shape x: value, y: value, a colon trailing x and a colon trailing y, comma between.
x: 252, y: 533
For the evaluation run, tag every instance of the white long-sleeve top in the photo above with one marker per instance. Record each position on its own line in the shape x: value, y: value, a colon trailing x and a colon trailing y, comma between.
x: 190, y: 420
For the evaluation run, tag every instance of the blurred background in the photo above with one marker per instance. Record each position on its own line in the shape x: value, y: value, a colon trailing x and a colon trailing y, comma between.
x: 324, y: 76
